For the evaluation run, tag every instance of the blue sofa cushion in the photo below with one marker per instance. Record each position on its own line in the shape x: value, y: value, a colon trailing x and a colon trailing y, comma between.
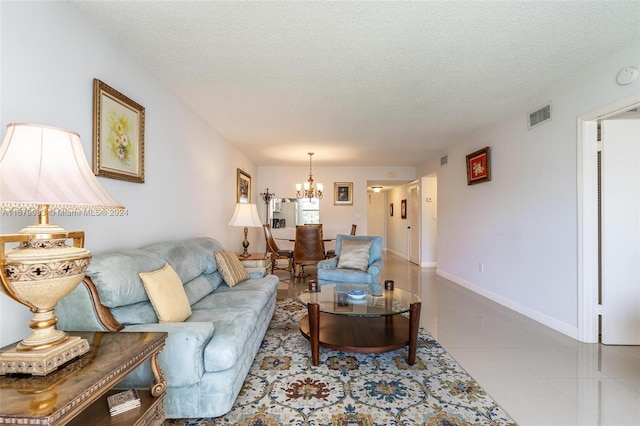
x: 197, y: 288
x: 215, y: 279
x: 138, y: 313
x: 188, y: 258
x: 254, y: 300
x: 346, y: 276
x: 183, y: 351
x: 115, y: 275
x: 233, y: 326
x: 258, y: 284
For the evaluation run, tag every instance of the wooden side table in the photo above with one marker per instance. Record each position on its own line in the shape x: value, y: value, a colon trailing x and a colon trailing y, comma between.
x: 256, y: 260
x: 77, y: 392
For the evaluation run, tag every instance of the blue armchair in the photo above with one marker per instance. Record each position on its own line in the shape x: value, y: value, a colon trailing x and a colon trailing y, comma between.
x: 335, y: 270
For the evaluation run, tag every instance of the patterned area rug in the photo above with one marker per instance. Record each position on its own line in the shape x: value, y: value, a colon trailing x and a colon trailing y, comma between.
x: 353, y: 389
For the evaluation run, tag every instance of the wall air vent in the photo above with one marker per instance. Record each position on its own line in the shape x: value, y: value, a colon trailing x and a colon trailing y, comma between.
x: 444, y: 160
x: 539, y: 116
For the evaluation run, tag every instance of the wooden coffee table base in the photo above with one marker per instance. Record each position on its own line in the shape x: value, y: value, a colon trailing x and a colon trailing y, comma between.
x: 360, y: 334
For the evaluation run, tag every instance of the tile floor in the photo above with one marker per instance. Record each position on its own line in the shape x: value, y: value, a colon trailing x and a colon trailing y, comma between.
x: 539, y: 376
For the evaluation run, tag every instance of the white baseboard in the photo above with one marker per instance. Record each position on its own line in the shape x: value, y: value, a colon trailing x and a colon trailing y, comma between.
x: 553, y: 323
x: 397, y: 253
x: 405, y: 257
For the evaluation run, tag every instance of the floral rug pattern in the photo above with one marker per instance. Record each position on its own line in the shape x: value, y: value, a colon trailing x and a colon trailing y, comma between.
x: 283, y: 388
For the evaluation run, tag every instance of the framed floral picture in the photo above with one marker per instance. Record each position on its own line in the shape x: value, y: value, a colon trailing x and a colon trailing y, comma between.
x: 343, y: 193
x: 478, y: 166
x: 391, y: 209
x: 403, y: 209
x: 118, y: 135
x: 243, y: 187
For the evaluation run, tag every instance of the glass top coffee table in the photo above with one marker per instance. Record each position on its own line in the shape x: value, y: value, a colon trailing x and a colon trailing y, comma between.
x: 371, y: 324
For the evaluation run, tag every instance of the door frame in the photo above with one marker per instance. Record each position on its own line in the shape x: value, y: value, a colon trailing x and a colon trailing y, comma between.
x: 587, y: 212
x: 415, y: 215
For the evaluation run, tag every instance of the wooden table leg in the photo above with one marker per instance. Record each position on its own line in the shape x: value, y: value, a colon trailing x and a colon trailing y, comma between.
x: 159, y: 384
x: 314, y: 332
x: 414, y: 326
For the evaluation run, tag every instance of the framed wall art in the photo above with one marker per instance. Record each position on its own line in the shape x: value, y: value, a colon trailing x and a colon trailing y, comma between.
x: 403, y: 209
x: 118, y: 135
x: 243, y: 187
x: 343, y: 193
x: 391, y: 209
x: 478, y: 166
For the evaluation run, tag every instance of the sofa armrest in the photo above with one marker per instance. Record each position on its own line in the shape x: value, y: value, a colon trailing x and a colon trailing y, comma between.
x: 330, y: 263
x: 375, y: 268
x: 182, y: 360
x: 81, y: 310
x: 258, y: 272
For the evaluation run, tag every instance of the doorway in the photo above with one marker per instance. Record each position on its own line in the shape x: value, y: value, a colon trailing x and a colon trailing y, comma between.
x: 590, y: 267
x: 619, y: 286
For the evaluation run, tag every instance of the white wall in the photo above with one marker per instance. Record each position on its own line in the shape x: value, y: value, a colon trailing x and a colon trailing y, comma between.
x: 522, y: 224
x: 335, y: 219
x: 429, y: 217
x: 50, y: 55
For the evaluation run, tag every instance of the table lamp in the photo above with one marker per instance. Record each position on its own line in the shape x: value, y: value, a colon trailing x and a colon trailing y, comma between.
x: 44, y: 170
x: 245, y: 215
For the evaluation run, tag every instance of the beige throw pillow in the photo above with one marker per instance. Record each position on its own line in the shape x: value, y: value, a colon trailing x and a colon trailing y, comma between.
x: 167, y: 295
x: 230, y: 267
x: 354, y: 255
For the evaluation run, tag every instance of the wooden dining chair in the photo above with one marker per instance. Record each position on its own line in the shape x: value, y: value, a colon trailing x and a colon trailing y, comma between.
x: 277, y: 253
x: 308, y: 248
x: 332, y: 253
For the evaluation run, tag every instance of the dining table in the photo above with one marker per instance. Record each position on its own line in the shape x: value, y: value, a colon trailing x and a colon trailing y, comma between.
x: 293, y: 240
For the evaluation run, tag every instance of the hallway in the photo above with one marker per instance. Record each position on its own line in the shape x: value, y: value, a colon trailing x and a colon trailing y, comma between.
x: 539, y: 376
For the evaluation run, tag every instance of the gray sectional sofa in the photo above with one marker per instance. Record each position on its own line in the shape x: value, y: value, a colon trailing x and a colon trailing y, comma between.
x: 207, y: 356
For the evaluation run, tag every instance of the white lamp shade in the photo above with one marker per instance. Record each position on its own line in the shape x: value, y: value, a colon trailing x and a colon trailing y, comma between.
x: 46, y: 165
x: 245, y: 215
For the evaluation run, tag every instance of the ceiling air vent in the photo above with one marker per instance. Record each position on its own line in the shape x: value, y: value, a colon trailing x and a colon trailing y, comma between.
x: 444, y: 160
x: 540, y: 116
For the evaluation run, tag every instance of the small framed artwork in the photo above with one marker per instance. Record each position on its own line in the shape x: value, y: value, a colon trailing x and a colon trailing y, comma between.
x: 118, y: 135
x: 478, y: 166
x: 391, y: 209
x: 343, y: 193
x: 403, y: 209
x: 243, y: 187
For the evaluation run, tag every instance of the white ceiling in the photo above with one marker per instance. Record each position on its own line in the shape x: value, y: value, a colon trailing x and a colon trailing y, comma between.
x: 362, y: 83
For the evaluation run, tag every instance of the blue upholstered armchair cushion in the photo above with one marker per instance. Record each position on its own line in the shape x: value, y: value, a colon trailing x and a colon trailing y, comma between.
x: 330, y: 272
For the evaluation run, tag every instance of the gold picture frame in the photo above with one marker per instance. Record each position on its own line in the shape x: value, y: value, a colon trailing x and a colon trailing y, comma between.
x: 243, y: 187
x: 118, y: 135
x: 343, y: 193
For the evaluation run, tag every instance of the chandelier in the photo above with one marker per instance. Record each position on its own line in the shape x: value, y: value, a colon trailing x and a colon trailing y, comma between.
x: 309, y: 190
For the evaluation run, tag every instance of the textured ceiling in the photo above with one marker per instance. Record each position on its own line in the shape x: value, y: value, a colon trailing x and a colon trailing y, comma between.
x: 362, y: 83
